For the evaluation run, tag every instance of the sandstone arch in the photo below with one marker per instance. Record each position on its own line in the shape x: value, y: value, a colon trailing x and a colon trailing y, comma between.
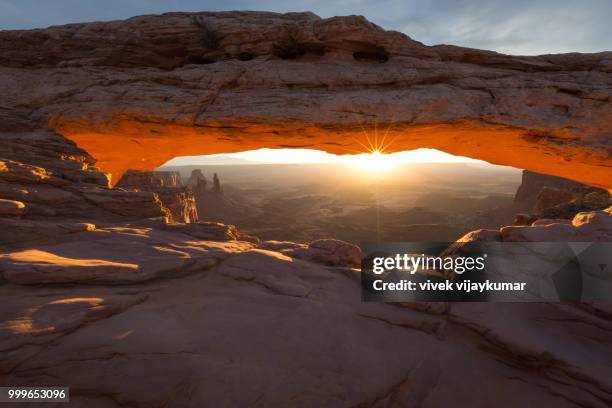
x: 138, y: 92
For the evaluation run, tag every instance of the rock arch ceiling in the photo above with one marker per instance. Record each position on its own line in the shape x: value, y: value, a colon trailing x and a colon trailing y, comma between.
x: 138, y: 92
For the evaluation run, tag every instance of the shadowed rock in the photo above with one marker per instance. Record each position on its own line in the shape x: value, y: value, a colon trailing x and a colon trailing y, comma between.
x: 545, y: 196
x: 11, y: 208
x: 58, y: 189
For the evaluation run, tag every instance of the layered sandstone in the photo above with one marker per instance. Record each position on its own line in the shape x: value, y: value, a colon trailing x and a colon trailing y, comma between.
x: 544, y: 196
x: 179, y: 200
x: 138, y: 92
x: 49, y: 188
x: 532, y: 184
x: 592, y: 226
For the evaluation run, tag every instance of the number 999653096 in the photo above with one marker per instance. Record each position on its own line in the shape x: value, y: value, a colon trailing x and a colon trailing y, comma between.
x: 34, y: 394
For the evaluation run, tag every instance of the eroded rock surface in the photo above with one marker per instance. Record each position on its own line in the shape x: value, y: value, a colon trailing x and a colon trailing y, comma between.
x: 147, y: 89
x: 190, y: 313
x: 590, y: 226
x: 49, y: 187
x: 179, y: 200
x: 30, y: 323
x: 11, y: 207
x: 541, y: 196
x: 263, y: 329
x: 115, y: 256
x: 332, y: 252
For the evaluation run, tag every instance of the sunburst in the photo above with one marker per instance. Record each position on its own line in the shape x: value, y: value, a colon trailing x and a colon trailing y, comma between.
x: 376, y: 158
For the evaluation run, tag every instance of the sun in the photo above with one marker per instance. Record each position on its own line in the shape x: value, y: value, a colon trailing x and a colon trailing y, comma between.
x: 374, y: 162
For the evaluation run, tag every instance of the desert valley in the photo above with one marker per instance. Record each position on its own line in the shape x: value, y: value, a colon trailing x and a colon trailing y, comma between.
x: 412, y: 202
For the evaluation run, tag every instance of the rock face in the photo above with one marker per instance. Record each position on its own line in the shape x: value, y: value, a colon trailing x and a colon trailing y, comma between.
x: 584, y: 227
x: 170, y: 178
x: 532, y: 183
x: 151, y: 88
x: 544, y: 196
x: 551, y: 197
x: 212, y: 204
x: 330, y: 252
x: 116, y: 256
x: 212, y: 231
x: 576, y: 269
x: 179, y: 200
x: 50, y: 187
x: 181, y: 203
x: 197, y: 180
x: 10, y: 207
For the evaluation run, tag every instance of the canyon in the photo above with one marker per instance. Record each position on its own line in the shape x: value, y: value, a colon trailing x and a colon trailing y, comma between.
x: 117, y: 290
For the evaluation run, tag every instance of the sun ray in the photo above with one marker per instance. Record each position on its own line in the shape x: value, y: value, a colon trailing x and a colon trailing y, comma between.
x: 371, y: 148
x: 364, y: 146
x: 389, y: 144
x: 353, y: 151
x: 376, y: 136
x: 385, y: 137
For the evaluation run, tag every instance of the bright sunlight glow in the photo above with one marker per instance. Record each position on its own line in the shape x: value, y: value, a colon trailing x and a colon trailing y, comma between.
x: 375, y: 161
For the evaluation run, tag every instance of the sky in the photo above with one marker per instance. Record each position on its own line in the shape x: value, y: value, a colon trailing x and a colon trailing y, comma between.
x: 524, y: 27
x: 375, y: 162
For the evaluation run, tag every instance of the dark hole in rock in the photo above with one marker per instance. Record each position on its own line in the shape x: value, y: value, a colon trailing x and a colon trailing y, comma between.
x: 290, y: 48
x: 200, y: 59
x: 245, y: 56
x: 377, y: 54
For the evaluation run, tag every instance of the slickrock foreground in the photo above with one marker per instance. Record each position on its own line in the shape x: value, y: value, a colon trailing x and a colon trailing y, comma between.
x: 222, y: 323
x: 139, y: 92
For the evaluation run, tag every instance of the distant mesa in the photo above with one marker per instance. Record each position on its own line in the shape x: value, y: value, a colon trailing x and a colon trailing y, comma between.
x: 222, y: 160
x: 197, y: 180
x: 186, y: 202
x: 541, y: 196
x: 177, y: 199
